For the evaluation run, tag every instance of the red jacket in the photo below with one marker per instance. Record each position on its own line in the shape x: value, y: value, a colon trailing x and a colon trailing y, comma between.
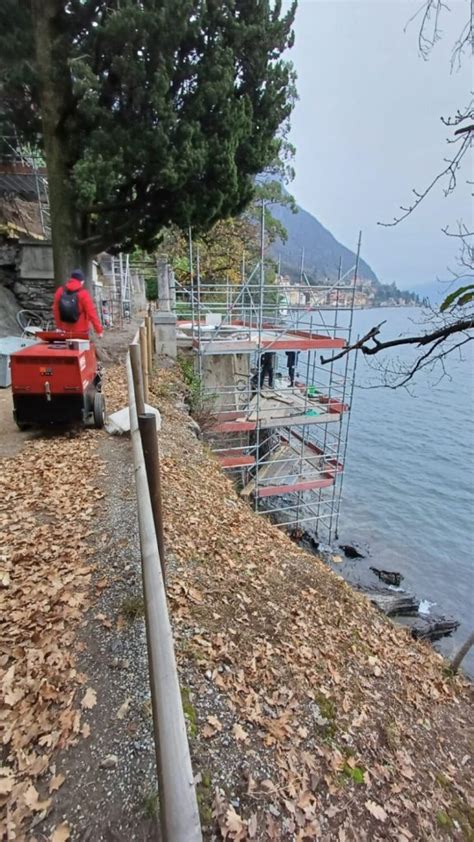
x: 87, y: 312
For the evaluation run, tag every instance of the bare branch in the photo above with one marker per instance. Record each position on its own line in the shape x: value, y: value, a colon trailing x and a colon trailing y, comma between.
x: 442, y: 333
x: 465, y: 129
x: 429, y: 32
x: 449, y: 171
x: 460, y: 116
x: 462, y: 232
x: 424, y: 359
x: 373, y: 332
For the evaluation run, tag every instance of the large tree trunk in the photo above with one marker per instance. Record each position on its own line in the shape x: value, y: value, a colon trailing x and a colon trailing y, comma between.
x: 55, y: 93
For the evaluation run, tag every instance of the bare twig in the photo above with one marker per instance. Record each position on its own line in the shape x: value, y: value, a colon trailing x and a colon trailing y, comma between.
x: 450, y: 171
x: 442, y: 333
x: 423, y: 360
x: 373, y: 332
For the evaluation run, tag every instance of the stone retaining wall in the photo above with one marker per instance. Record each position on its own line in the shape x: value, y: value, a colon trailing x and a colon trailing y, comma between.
x: 26, y: 269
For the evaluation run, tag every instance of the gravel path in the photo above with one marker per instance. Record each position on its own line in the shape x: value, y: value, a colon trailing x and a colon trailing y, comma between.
x: 110, y: 788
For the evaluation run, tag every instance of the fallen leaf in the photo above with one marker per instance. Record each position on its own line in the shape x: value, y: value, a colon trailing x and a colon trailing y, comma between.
x: 4, y: 579
x: 194, y: 595
x: 104, y: 620
x: 208, y: 731
x: 239, y: 733
x: 31, y: 797
x: 61, y: 833
x: 268, y: 785
x: 376, y: 810
x: 123, y: 709
x: 32, y: 800
x: 7, y: 781
x: 56, y: 782
x: 252, y: 826
x: 305, y: 799
x: 90, y: 699
x: 215, y: 723
x: 235, y: 824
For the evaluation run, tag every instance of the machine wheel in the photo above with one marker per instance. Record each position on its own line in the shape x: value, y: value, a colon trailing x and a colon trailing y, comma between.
x: 23, y: 425
x: 99, y: 410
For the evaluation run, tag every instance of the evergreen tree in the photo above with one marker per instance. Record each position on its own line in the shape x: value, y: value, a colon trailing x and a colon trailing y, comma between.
x: 149, y: 113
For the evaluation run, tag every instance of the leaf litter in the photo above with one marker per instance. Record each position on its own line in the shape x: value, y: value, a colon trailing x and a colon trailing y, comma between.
x: 294, y: 677
x: 46, y: 522
x: 317, y: 718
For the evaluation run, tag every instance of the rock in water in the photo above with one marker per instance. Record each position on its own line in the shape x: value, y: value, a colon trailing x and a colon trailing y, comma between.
x: 394, y: 603
x: 434, y: 628
x: 390, y: 577
x: 350, y: 551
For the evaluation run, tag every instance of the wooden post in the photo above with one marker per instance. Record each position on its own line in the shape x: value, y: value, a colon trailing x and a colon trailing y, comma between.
x: 149, y: 330
x: 137, y: 378
x: 144, y: 356
x: 148, y: 432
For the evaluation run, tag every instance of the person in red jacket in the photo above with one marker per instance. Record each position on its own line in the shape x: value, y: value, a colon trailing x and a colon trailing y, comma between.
x: 75, y: 302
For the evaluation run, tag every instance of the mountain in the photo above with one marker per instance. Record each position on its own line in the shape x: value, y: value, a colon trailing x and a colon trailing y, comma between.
x: 322, y: 255
x: 322, y: 252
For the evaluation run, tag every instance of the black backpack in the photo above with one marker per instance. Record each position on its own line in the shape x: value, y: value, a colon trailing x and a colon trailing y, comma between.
x: 69, y: 306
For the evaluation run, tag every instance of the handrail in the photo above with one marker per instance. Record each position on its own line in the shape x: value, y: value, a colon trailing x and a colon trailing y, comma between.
x: 179, y: 813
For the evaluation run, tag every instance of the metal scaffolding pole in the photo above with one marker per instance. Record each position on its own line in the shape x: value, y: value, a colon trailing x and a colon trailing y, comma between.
x: 302, y: 461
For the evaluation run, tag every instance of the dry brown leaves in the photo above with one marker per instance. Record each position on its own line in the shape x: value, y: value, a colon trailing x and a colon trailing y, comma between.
x: 344, y: 710
x: 47, y: 509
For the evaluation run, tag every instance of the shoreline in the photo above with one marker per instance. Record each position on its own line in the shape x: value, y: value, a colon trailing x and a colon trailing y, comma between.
x: 357, y: 573
x: 292, y: 679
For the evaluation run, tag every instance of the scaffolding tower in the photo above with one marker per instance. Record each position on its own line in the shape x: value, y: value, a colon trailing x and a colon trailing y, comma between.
x: 285, y: 442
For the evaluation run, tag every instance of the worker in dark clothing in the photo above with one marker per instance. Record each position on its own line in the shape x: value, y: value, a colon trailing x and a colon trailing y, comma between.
x: 266, y: 369
x: 291, y: 361
x: 253, y: 382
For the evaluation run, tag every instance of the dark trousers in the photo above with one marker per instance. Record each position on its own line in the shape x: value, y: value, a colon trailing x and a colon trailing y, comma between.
x: 291, y: 374
x: 267, y: 368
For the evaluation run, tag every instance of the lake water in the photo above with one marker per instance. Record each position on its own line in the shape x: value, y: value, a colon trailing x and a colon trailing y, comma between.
x: 408, y: 486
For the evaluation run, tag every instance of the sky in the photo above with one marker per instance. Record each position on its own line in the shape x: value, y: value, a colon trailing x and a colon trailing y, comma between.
x: 367, y: 130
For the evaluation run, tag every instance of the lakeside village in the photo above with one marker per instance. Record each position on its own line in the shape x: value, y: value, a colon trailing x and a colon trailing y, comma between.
x: 366, y: 296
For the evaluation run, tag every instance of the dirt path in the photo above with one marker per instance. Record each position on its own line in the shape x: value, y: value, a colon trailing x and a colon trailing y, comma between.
x: 11, y: 439
x: 78, y: 756
x: 110, y: 790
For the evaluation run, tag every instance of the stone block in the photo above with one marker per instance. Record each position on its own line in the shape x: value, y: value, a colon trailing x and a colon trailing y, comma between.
x: 164, y: 326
